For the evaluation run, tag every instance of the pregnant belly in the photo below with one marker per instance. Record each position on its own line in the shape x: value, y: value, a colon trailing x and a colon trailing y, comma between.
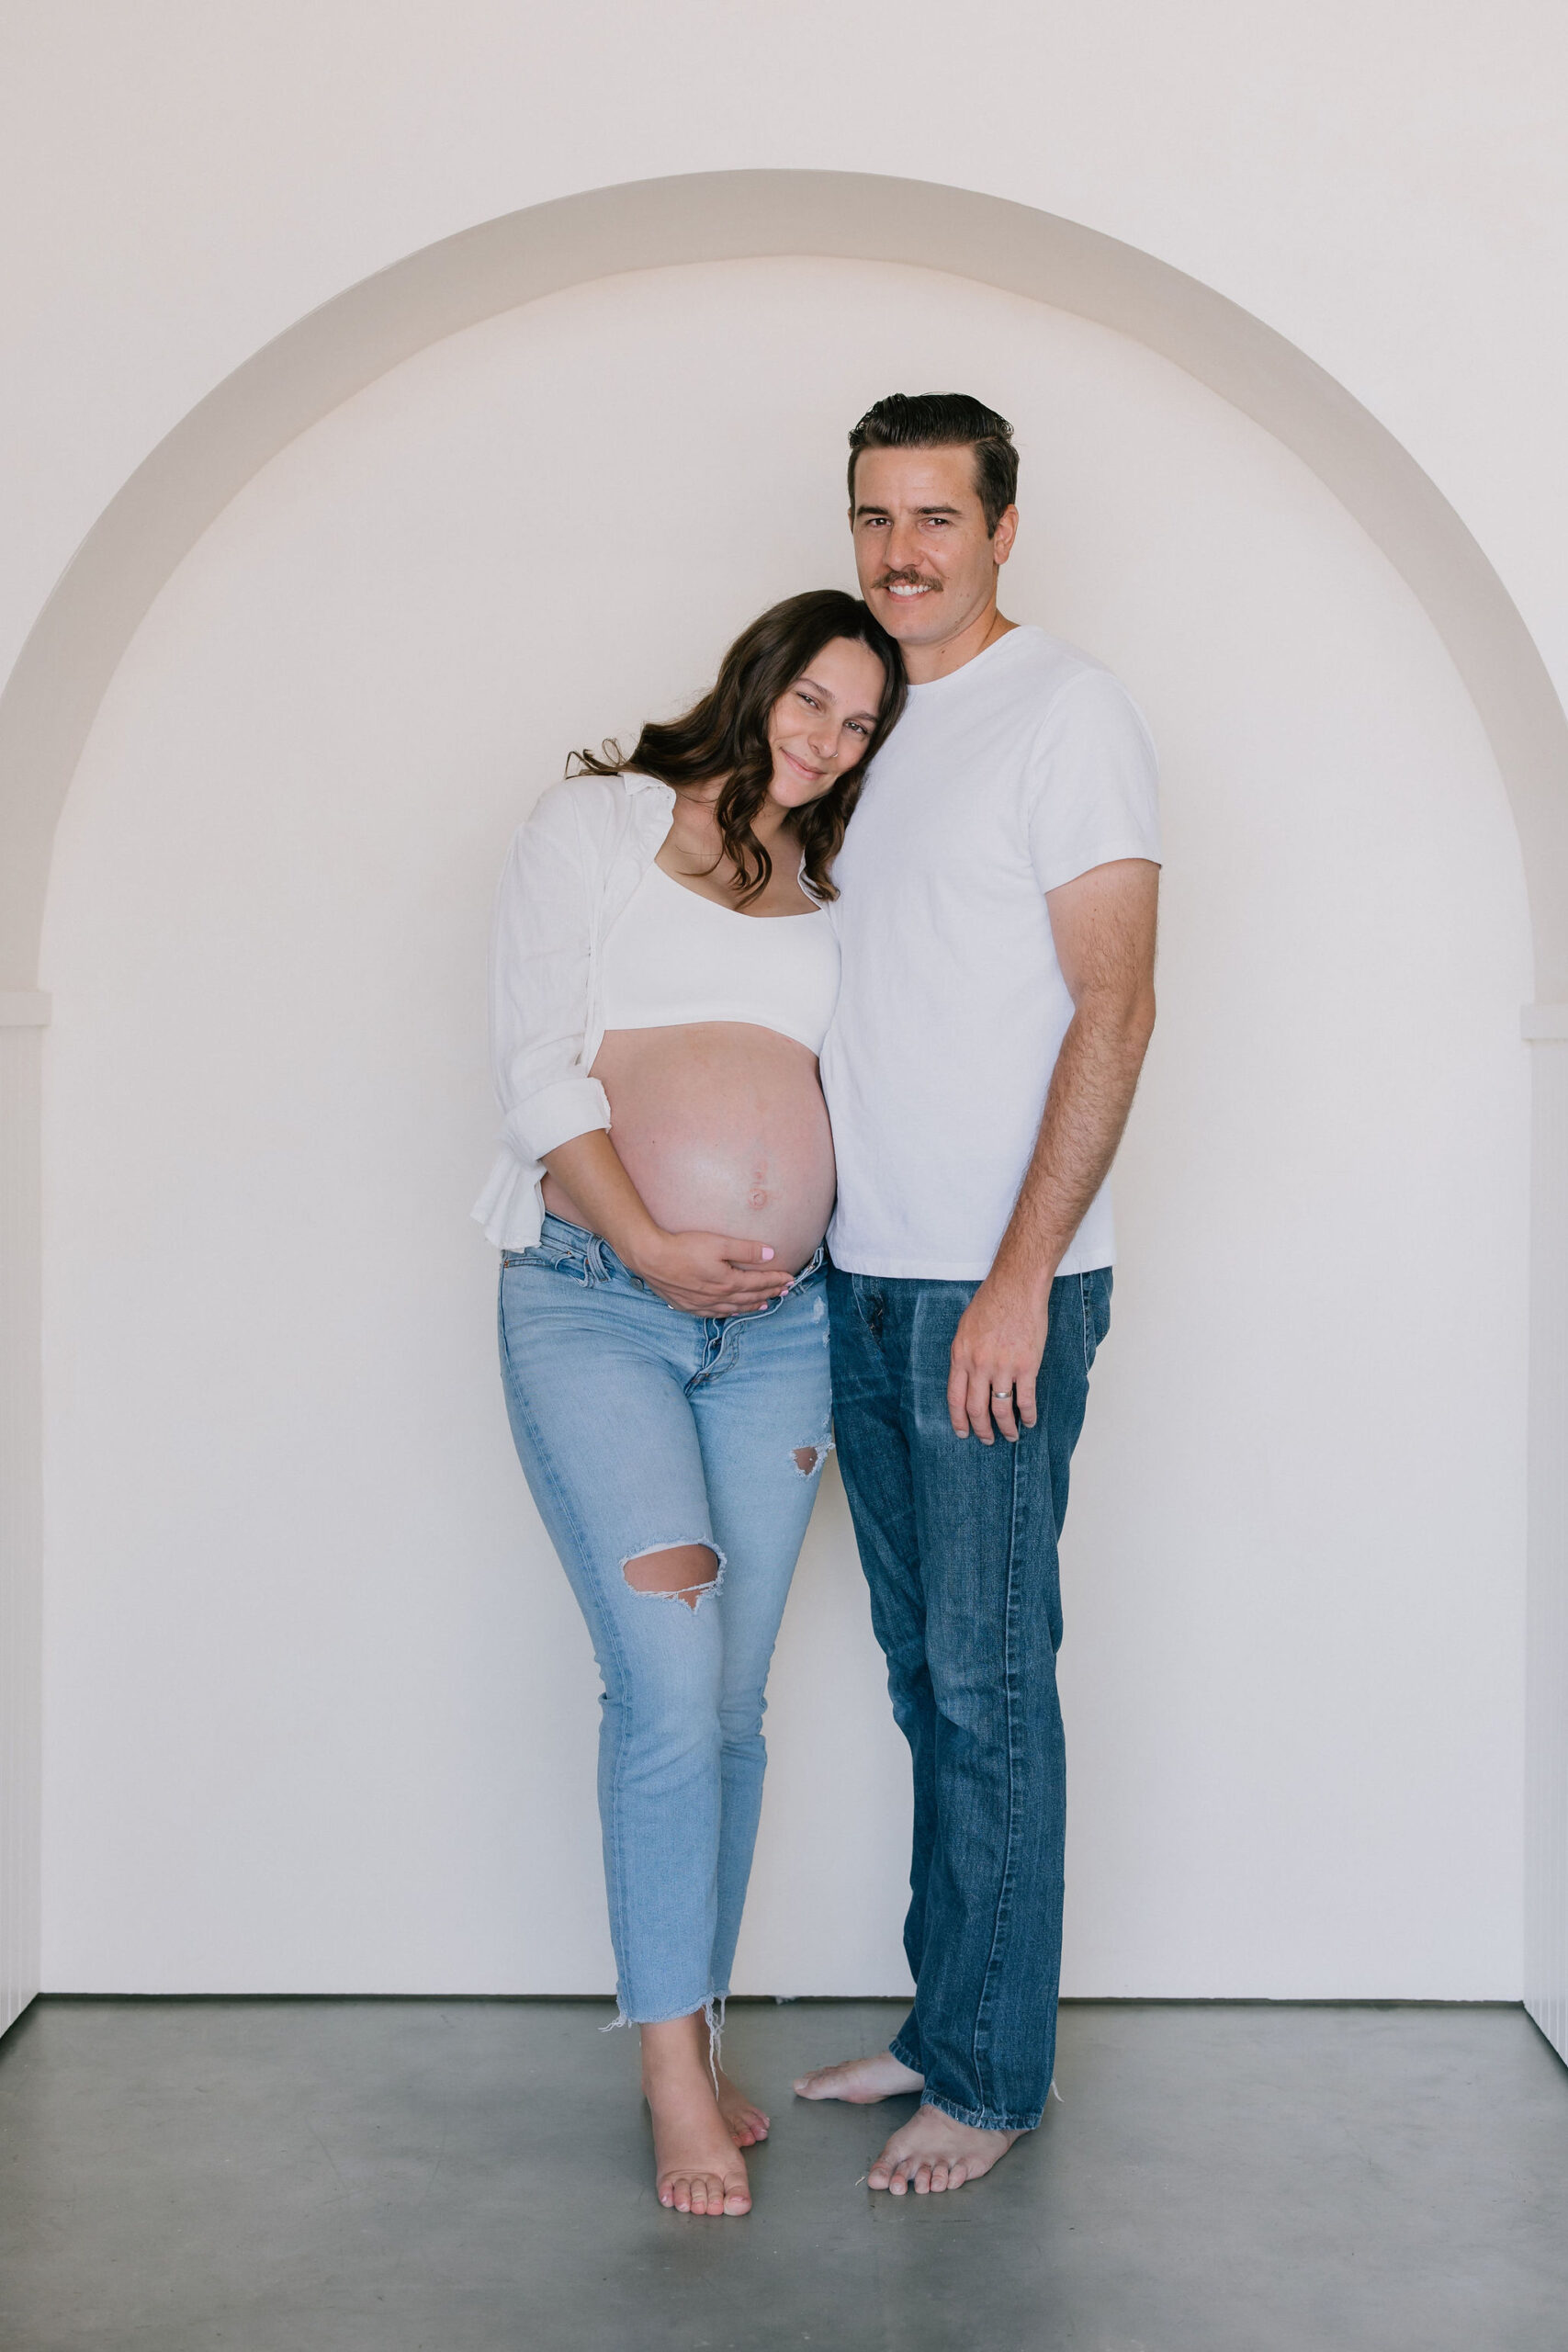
x: 722, y: 1127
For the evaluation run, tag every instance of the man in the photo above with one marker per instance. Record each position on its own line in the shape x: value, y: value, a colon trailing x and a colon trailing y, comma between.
x: 997, y: 920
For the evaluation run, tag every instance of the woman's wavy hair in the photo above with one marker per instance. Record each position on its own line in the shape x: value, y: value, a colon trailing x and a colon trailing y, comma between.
x: 726, y: 734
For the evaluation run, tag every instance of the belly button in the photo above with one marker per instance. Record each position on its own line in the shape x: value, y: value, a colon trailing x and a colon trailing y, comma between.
x: 758, y: 1199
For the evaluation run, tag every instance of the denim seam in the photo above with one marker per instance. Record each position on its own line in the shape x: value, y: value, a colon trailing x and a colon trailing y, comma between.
x: 1083, y: 1309
x: 980, y: 2046
x: 618, y: 1923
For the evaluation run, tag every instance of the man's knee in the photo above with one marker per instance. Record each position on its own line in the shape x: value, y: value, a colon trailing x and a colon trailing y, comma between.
x: 687, y: 1572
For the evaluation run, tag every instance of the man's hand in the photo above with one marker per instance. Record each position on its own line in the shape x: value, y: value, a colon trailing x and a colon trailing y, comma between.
x: 997, y: 1351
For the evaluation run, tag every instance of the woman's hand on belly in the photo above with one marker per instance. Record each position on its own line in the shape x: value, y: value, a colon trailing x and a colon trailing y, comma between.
x: 702, y: 1274
x: 711, y: 1273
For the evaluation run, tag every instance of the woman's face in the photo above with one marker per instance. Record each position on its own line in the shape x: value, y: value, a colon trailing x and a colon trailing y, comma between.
x: 820, y: 726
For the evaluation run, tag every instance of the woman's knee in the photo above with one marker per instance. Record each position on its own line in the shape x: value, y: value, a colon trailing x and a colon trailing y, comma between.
x: 690, y: 1573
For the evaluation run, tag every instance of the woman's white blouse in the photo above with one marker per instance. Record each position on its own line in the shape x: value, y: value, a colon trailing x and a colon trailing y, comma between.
x: 571, y: 872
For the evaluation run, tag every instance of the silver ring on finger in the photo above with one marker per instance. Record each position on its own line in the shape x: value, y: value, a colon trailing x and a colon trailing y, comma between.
x: 1001, y: 1395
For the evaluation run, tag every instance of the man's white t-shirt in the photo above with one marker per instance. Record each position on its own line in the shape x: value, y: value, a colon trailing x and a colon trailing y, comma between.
x: 1010, y: 776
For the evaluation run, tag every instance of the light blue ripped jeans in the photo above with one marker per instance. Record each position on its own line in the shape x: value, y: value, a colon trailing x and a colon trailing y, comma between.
x: 640, y: 1428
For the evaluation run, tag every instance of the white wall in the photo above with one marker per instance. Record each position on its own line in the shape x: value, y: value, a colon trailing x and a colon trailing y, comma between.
x: 320, y: 1711
x: 1384, y: 181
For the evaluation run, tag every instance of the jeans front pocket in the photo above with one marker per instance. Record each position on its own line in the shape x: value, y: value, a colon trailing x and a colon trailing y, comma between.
x: 544, y: 1257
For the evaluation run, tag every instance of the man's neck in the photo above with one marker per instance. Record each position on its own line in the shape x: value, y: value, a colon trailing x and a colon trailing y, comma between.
x: 925, y: 663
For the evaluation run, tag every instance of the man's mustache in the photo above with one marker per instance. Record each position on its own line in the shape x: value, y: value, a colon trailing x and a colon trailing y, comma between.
x: 908, y: 580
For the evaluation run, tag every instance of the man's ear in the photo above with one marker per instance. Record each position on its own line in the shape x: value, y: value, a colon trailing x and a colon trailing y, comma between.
x: 1005, y: 533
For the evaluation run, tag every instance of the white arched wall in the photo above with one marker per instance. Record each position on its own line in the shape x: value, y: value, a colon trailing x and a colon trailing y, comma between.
x: 56, y: 688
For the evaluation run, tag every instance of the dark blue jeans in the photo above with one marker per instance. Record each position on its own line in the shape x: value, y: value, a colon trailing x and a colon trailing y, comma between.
x: 958, y: 1542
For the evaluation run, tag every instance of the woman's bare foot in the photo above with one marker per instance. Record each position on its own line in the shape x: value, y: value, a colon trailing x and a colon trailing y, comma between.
x: 743, y: 2117
x: 698, y: 2167
x: 931, y: 2152
x: 862, y: 2081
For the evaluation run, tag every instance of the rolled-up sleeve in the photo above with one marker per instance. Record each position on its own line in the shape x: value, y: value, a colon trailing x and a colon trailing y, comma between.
x: 541, y: 947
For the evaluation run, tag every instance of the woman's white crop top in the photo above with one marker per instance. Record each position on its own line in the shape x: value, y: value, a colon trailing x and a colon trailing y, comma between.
x: 675, y: 956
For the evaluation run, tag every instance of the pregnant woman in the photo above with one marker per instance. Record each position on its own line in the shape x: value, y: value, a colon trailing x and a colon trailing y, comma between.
x: 663, y: 974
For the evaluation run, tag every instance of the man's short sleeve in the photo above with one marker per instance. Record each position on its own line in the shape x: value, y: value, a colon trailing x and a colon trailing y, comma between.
x: 1093, y: 782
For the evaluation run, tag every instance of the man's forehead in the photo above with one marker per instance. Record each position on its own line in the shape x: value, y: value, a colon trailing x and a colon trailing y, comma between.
x: 915, y: 477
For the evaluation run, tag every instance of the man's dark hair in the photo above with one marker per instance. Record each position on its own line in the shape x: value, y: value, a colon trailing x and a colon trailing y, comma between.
x: 726, y: 734
x: 946, y: 421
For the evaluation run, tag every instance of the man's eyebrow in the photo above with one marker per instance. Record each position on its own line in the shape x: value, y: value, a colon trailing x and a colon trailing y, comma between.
x: 867, y: 508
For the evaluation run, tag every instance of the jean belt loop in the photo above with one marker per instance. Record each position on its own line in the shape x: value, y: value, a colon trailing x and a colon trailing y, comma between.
x: 594, y: 1267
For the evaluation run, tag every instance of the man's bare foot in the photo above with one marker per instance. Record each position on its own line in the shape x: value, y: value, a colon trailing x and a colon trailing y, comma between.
x: 931, y: 2152
x: 698, y: 2167
x: 743, y: 2117
x: 862, y: 2081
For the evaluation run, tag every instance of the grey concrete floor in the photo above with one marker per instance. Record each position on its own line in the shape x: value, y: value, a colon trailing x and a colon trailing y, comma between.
x: 475, y: 2177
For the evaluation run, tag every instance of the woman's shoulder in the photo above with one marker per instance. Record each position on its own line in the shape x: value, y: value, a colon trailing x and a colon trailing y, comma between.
x: 581, y: 812
x: 577, y: 799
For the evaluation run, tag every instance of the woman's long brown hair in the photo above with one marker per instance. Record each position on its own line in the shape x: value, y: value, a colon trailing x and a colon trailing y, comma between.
x: 726, y: 734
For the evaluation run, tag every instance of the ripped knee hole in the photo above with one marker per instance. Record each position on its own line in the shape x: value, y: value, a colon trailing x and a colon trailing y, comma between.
x: 675, y: 1572
x: 809, y: 1459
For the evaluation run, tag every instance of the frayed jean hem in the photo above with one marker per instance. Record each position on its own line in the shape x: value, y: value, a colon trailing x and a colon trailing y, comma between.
x: 703, y: 2006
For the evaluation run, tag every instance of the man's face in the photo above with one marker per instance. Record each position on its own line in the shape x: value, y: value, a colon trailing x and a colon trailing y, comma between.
x: 927, y: 564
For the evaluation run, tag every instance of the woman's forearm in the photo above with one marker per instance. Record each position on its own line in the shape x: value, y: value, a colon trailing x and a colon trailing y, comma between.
x: 706, y: 1273
x: 591, y: 1168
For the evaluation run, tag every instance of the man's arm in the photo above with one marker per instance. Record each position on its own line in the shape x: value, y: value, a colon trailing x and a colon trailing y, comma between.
x: 1103, y: 924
